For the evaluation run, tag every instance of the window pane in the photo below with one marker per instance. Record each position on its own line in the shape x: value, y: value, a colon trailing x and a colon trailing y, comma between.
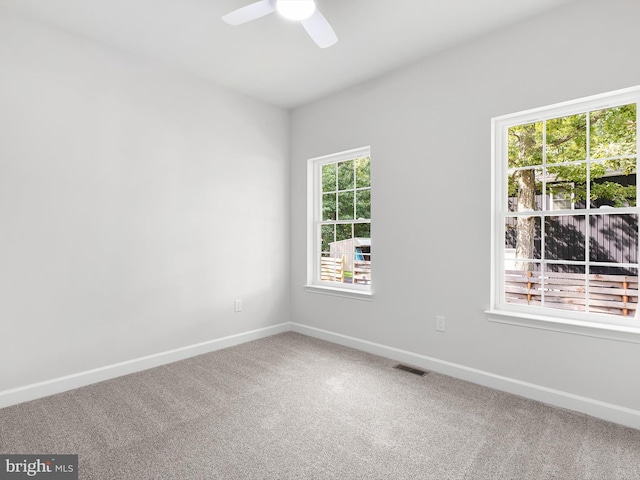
x: 522, y: 241
x: 613, y: 238
x: 525, y: 145
x: 345, y: 175
x: 567, y: 139
x: 523, y: 285
x: 613, y: 183
x: 524, y: 190
x: 329, y: 177
x: 565, y: 287
x: 344, y: 232
x: 362, y: 230
x: 327, y: 237
x: 565, y: 237
x: 363, y: 172
x: 329, y: 206
x: 363, y: 204
x: 613, y: 290
x: 345, y: 205
x: 613, y: 132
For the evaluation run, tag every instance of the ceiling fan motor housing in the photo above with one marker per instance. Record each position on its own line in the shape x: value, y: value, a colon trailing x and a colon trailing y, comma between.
x: 296, y: 9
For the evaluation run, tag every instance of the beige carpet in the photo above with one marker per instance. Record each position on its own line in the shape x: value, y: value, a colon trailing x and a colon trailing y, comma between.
x: 293, y: 407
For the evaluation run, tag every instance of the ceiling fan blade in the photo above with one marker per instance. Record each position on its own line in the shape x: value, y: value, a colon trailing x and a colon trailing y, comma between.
x: 250, y: 12
x: 319, y: 30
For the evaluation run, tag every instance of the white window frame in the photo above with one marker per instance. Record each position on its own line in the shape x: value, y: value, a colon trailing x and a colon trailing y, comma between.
x: 579, y: 323
x: 314, y: 218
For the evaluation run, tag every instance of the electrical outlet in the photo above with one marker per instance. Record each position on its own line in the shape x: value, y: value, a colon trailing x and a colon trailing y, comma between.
x: 237, y: 305
x: 439, y: 323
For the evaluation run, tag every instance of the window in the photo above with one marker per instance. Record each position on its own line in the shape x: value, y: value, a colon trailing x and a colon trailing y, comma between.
x: 339, y: 211
x: 561, y: 196
x: 565, y: 241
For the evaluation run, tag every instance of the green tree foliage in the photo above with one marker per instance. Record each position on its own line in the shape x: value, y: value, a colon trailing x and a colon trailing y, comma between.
x: 612, y: 141
x: 555, y: 153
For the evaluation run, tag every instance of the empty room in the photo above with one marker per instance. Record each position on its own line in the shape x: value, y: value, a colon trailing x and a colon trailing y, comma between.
x: 319, y: 239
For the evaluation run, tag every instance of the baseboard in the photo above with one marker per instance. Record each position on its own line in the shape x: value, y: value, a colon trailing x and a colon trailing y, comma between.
x: 81, y: 379
x: 606, y: 411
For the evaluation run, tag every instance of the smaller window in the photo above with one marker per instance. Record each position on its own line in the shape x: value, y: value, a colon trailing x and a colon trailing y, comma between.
x: 339, y: 222
x: 561, y: 196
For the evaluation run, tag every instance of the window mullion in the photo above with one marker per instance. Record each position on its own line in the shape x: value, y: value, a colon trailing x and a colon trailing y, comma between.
x: 587, y: 227
x: 545, y: 208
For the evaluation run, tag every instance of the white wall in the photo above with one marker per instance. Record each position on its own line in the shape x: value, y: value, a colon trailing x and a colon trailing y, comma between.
x: 136, y: 204
x: 429, y: 130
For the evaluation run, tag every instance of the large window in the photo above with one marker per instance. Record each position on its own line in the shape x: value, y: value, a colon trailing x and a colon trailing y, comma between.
x: 565, y: 211
x: 339, y: 245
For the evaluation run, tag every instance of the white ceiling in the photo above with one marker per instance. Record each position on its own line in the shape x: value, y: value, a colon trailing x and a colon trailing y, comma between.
x: 271, y: 58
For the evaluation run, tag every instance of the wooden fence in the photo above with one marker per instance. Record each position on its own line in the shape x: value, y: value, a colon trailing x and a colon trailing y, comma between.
x: 612, y: 294
x: 332, y: 270
x: 362, y: 272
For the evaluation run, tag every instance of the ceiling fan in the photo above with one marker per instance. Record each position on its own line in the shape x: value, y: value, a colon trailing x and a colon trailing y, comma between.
x: 304, y: 11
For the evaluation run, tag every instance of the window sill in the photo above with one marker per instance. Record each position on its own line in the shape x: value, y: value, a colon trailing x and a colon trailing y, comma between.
x: 339, y: 292
x: 575, y: 327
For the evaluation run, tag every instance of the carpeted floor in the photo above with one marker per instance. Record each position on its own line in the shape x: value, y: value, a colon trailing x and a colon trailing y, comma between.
x: 294, y: 407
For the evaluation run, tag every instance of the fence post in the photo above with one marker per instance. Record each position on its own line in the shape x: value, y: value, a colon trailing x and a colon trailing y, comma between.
x: 529, y: 275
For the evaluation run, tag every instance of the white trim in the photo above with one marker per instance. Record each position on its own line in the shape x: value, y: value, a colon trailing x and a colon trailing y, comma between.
x: 340, y: 292
x: 574, y: 327
x: 342, y: 156
x: 596, y: 408
x: 600, y: 101
x: 81, y: 379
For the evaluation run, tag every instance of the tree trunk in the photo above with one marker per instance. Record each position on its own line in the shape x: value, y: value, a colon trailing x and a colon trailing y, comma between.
x: 525, y: 226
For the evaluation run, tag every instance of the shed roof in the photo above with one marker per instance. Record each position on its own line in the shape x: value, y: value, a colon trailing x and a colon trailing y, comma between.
x: 358, y: 242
